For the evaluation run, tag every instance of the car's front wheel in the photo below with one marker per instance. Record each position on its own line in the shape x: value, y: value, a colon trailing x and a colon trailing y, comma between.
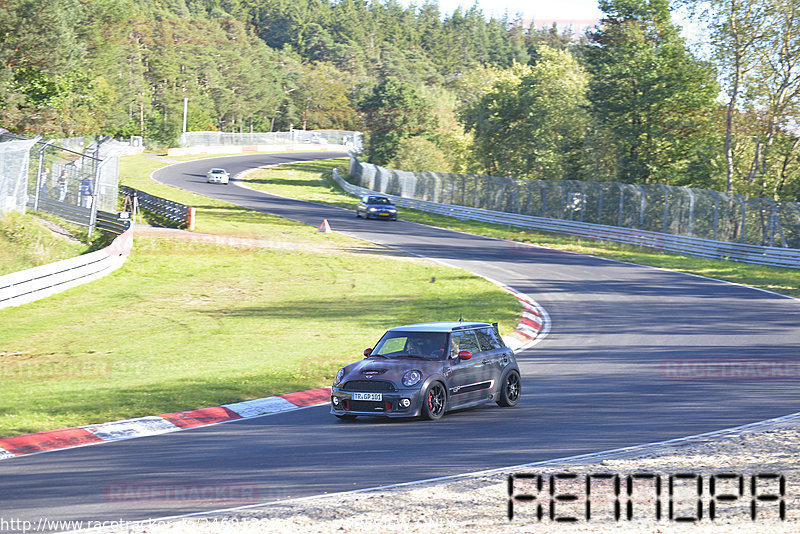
x: 434, y: 401
x: 510, y: 392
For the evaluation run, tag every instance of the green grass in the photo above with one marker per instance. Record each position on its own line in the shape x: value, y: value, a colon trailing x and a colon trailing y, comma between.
x: 292, y: 181
x: 184, y: 326
x: 25, y: 242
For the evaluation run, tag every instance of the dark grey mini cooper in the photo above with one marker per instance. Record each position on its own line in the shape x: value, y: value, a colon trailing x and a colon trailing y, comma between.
x: 427, y: 369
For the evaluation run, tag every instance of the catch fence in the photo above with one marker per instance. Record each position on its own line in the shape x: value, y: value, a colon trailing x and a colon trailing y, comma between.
x: 75, y: 178
x: 681, y: 211
x: 352, y: 140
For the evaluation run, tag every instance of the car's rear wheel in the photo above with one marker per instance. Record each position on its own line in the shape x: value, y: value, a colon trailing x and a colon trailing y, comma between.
x: 434, y: 401
x: 345, y: 416
x: 511, y: 390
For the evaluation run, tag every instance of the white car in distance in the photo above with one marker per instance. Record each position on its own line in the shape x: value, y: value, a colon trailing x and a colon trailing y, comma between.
x: 218, y: 176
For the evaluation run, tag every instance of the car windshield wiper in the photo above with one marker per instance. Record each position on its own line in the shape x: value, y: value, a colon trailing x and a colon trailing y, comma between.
x: 377, y: 356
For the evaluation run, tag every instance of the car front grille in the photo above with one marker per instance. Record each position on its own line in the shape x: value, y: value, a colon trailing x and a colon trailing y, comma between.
x: 366, y: 406
x: 369, y: 386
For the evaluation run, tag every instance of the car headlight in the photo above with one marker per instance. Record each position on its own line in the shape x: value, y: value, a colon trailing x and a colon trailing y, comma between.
x: 373, y: 209
x: 411, y: 378
x: 392, y: 211
x: 339, y: 376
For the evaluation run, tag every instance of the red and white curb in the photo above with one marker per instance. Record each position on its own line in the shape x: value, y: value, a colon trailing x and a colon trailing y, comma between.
x: 159, y: 424
x: 532, y: 328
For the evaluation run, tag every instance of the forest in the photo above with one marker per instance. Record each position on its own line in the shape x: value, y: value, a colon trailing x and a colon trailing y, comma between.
x: 627, y: 100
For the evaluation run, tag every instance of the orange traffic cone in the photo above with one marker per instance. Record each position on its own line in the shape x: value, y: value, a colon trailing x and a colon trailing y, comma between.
x: 324, y: 227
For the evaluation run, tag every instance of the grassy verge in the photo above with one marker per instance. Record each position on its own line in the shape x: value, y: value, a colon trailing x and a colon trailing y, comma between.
x: 186, y: 325
x: 25, y: 242
x: 292, y: 181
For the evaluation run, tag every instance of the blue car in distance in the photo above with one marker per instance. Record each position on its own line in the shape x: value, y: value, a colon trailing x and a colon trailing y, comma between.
x: 376, y: 207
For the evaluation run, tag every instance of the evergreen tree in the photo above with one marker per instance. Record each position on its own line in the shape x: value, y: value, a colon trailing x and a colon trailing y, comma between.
x: 393, y: 112
x: 648, y: 91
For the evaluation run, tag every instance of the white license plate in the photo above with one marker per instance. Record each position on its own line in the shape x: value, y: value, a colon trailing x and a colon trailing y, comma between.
x: 368, y: 396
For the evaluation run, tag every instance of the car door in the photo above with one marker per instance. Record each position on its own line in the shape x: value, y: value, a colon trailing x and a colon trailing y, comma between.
x: 469, y: 380
x: 494, y: 354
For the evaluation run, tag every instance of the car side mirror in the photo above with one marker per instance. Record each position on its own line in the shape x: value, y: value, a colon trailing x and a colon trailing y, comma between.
x: 367, y: 352
x: 465, y: 355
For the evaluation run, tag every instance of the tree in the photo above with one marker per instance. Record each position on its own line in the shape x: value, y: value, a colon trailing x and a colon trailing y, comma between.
x: 649, y: 91
x: 37, y: 67
x: 393, y: 112
x: 418, y: 154
x: 495, y: 120
x: 756, y: 49
x: 321, y: 98
x: 533, y: 121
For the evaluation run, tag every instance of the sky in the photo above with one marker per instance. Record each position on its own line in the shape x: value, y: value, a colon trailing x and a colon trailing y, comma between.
x: 576, y: 12
x: 580, y: 14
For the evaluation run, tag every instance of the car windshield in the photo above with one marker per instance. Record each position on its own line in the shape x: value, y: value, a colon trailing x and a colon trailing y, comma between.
x: 379, y: 200
x: 426, y: 345
x: 218, y: 171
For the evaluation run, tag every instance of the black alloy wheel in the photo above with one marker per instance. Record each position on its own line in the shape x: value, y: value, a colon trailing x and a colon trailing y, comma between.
x: 434, y: 401
x: 510, y: 392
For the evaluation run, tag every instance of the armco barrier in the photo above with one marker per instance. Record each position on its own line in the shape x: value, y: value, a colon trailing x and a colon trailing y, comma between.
x: 690, y: 246
x: 174, y: 211
x: 40, y: 282
x: 219, y: 150
x: 105, y: 221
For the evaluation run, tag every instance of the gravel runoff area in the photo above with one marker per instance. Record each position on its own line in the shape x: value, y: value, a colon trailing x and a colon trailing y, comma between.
x: 479, y: 502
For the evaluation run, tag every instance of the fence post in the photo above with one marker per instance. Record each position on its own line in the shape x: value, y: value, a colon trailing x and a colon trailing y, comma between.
x: 744, y: 214
x: 600, y: 206
x: 583, y: 197
x: 641, y: 205
x: 666, y: 206
x: 39, y: 177
x: 543, y: 188
x: 691, y: 211
x: 716, y: 211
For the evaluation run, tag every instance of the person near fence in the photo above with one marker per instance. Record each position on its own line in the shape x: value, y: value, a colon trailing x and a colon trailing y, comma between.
x: 62, y: 186
x: 43, y: 185
x: 87, y: 191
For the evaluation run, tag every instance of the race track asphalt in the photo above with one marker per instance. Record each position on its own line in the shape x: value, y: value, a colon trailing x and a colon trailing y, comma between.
x: 603, y: 378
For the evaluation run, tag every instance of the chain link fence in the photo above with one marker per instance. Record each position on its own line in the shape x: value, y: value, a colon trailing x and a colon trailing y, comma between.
x: 682, y: 211
x: 14, y: 170
x: 352, y: 140
x: 73, y: 178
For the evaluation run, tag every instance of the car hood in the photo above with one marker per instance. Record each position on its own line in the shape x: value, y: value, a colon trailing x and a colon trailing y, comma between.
x: 390, y: 369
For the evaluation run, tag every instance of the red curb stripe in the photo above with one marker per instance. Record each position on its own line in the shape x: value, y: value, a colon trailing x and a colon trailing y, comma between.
x: 203, y: 416
x: 47, y: 441
x: 526, y: 336
x: 308, y: 398
x: 529, y: 322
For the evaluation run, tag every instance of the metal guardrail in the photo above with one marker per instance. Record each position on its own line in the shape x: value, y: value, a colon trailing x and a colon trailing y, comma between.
x: 690, y: 246
x: 107, y: 222
x: 691, y: 212
x: 39, y: 282
x: 350, y: 139
x: 173, y: 211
